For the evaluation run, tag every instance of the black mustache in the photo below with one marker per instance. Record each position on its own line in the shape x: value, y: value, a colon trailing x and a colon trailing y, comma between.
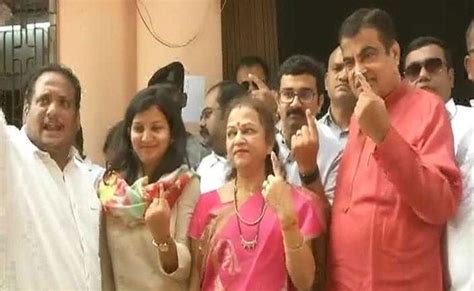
x: 295, y: 111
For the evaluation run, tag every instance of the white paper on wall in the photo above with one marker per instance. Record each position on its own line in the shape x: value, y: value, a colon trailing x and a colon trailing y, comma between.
x: 195, y: 87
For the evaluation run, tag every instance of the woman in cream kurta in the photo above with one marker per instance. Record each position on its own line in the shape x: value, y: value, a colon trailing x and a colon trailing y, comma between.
x: 135, y: 261
x: 148, y: 205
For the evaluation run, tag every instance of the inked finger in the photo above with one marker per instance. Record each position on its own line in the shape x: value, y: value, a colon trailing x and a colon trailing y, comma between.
x: 363, y: 82
x: 311, y: 122
x: 277, y: 170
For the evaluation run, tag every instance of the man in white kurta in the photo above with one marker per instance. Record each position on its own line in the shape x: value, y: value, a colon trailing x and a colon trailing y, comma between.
x: 428, y: 65
x: 49, y: 212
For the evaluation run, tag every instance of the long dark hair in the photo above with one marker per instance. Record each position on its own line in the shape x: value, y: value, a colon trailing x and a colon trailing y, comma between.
x: 126, y: 161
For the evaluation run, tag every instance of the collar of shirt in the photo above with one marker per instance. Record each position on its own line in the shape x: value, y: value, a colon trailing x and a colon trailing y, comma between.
x: 451, y: 108
x: 31, y: 147
x: 285, y: 153
x: 329, y: 121
x: 217, y: 159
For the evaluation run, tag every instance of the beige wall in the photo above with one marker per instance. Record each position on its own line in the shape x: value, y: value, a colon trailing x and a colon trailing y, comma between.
x: 109, y: 48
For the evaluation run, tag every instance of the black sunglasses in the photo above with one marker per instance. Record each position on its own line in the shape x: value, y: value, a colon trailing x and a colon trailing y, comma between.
x: 431, y: 65
x: 249, y: 85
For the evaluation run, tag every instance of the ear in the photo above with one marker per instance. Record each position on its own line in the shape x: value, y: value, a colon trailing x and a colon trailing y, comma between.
x: 320, y: 104
x: 451, y: 77
x: 269, y: 149
x: 26, y: 110
x: 326, y: 81
x: 469, y: 66
x: 78, y: 121
x: 395, y: 52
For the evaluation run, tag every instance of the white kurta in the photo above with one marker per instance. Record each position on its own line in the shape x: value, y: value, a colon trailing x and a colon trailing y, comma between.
x: 213, y: 171
x: 460, y: 230
x: 49, y: 219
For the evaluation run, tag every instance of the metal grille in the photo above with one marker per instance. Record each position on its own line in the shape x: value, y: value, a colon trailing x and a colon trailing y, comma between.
x: 27, y: 42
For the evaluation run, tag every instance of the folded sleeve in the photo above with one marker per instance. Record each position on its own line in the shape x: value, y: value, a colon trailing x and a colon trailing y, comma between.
x: 425, y: 175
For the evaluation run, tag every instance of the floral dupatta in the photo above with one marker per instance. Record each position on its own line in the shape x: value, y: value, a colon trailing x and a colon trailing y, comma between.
x: 129, y: 203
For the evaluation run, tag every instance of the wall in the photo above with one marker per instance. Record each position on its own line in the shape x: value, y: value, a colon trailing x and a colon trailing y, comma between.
x: 96, y: 38
x: 107, y: 45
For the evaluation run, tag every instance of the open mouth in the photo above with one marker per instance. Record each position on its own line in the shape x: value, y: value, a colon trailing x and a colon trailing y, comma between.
x: 53, y: 126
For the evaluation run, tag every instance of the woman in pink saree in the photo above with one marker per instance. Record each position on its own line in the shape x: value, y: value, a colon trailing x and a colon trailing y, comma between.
x: 255, y: 232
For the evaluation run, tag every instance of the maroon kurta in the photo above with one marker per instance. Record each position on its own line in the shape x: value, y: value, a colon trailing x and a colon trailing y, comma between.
x: 392, y: 200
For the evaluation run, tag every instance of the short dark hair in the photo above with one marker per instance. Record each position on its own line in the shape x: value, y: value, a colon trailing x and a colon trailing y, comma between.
x: 66, y: 72
x: 423, y: 41
x: 126, y: 161
x: 302, y: 64
x: 250, y: 61
x: 469, y: 31
x: 374, y: 18
x: 227, y: 92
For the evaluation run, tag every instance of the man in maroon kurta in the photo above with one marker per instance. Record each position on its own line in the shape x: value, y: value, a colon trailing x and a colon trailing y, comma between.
x: 398, y: 183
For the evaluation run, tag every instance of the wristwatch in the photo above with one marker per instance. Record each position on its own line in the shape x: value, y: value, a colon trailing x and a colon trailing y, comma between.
x: 162, y: 246
x: 311, y: 177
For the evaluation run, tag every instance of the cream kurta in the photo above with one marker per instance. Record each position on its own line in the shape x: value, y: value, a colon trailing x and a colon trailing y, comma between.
x: 134, y: 259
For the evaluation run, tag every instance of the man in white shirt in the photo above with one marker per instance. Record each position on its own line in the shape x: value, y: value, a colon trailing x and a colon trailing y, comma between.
x: 310, y: 162
x: 428, y: 65
x: 214, y: 168
x: 49, y: 211
x: 342, y: 99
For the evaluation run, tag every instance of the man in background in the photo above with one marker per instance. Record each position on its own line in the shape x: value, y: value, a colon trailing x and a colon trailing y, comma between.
x: 173, y: 73
x: 342, y: 100
x: 428, y: 65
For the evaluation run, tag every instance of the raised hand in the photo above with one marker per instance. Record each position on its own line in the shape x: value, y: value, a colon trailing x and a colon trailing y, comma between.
x: 277, y: 193
x: 371, y: 112
x: 305, y: 145
x: 263, y: 93
x: 157, y: 216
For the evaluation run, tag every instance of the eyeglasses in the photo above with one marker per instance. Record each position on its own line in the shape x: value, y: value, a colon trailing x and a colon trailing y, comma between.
x: 431, y: 65
x: 470, y: 51
x: 304, y: 95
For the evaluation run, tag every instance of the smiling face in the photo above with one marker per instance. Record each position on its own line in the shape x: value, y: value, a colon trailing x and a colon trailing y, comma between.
x: 365, y: 53
x: 246, y: 143
x: 150, y: 136
x: 52, y: 119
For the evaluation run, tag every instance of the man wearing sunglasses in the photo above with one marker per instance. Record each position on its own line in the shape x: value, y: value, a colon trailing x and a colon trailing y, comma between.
x: 469, y: 59
x: 249, y: 69
x: 428, y: 65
